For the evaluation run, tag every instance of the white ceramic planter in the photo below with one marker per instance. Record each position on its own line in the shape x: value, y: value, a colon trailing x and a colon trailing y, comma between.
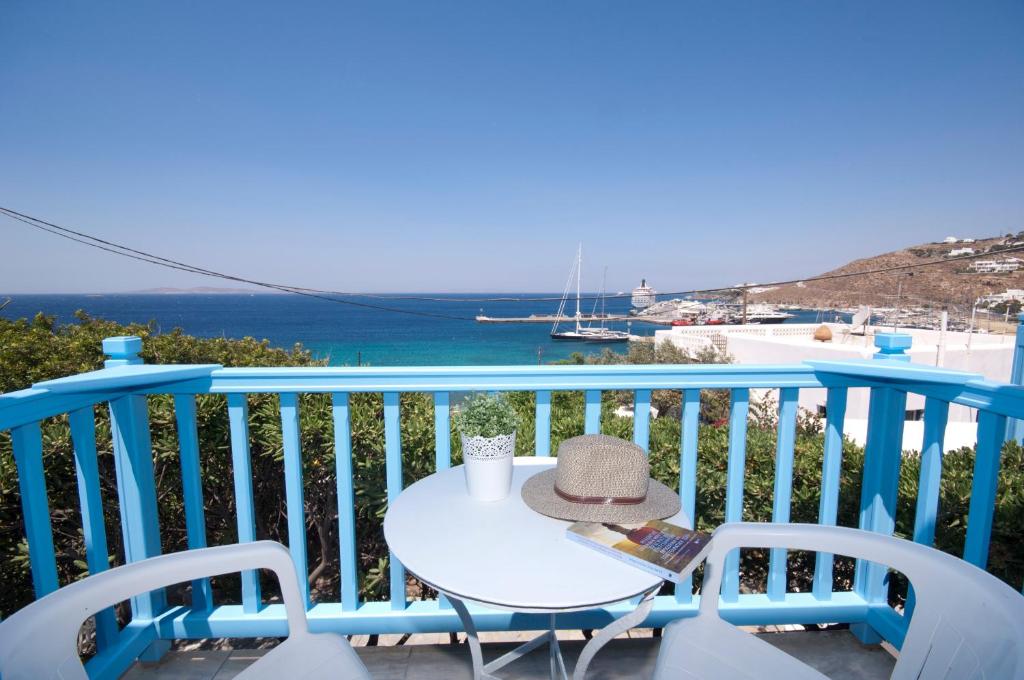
x: 488, y: 465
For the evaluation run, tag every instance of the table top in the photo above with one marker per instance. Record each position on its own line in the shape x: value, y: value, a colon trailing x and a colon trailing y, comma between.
x: 503, y: 554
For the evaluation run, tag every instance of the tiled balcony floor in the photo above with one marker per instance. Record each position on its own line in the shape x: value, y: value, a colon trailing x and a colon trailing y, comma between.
x: 835, y: 653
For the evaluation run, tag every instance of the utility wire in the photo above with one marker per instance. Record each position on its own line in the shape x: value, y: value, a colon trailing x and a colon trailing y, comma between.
x: 172, y: 264
x: 125, y: 251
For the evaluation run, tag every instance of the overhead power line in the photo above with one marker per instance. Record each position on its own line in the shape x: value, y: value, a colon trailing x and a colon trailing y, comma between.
x: 337, y: 296
x: 173, y: 264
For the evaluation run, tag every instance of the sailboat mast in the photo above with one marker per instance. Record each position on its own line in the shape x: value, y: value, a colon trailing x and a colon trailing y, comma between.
x: 604, y: 282
x: 579, y: 268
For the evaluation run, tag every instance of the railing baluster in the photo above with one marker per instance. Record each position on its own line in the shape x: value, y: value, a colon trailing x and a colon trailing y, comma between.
x: 192, y: 490
x: 27, y: 441
x: 642, y: 419
x: 346, y: 502
x: 238, y: 419
x: 292, y: 445
x: 1015, y: 426
x: 991, y: 435
x: 831, y: 469
x: 442, y: 431
x: 688, y: 475
x: 136, y: 488
x: 738, y: 408
x: 442, y: 449
x: 83, y: 437
x: 883, y: 456
x: 393, y: 462
x: 543, y: 424
x: 592, y: 412
x: 783, y: 487
x: 936, y: 413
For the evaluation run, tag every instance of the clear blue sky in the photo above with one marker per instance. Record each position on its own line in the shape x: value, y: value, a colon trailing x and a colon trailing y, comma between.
x: 442, y: 146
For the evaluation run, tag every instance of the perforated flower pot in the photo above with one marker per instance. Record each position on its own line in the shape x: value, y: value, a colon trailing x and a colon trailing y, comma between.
x: 488, y: 465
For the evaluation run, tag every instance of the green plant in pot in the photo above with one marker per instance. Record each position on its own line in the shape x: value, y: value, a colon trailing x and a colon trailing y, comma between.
x: 487, y: 425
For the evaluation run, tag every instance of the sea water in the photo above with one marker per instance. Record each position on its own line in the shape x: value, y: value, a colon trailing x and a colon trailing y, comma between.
x: 348, y: 335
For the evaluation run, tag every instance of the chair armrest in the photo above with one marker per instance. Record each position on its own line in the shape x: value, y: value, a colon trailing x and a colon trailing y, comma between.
x: 43, y: 635
x: 908, y: 557
x: 91, y: 595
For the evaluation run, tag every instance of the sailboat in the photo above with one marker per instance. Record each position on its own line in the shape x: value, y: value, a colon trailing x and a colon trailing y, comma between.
x: 588, y: 334
x: 603, y: 334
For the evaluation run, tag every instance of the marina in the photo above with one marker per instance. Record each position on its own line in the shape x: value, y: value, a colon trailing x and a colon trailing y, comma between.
x: 550, y: 318
x: 687, y: 314
x: 645, y: 308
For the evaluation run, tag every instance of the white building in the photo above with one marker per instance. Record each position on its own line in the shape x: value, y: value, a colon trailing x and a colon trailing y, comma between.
x: 956, y: 252
x: 1011, y: 294
x: 1010, y: 264
x: 950, y: 239
x: 989, y: 355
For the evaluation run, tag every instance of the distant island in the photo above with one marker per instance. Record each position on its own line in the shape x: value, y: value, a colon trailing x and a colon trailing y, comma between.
x: 198, y: 290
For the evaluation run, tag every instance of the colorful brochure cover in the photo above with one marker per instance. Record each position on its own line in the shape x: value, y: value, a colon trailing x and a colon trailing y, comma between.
x: 657, y: 547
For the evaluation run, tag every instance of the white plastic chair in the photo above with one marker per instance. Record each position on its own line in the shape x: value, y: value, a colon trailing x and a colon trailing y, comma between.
x: 966, y: 624
x: 40, y: 640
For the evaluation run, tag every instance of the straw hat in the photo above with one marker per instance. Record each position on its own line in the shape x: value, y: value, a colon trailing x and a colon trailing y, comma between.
x: 600, y: 479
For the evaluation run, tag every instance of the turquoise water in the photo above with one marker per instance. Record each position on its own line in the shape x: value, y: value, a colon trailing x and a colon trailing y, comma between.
x: 344, y: 334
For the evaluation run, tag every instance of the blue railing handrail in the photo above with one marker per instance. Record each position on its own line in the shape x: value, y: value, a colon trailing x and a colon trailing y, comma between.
x: 35, y: 403
x: 985, y: 395
x: 58, y: 396
x: 498, y: 378
x: 32, y: 405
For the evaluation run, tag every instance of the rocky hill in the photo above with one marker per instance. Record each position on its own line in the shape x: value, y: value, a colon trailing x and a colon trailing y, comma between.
x: 955, y: 283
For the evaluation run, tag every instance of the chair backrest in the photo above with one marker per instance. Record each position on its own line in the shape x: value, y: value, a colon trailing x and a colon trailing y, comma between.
x: 966, y: 623
x: 40, y: 641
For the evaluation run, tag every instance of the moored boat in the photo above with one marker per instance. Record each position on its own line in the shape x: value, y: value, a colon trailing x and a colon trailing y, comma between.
x: 763, y: 314
x: 588, y: 334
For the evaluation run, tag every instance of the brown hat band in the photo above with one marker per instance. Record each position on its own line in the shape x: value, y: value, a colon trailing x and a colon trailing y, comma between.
x: 600, y: 500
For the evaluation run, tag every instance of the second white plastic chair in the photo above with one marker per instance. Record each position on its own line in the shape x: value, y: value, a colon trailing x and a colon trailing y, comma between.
x: 966, y: 625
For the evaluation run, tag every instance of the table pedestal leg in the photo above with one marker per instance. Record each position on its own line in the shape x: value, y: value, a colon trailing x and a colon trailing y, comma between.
x: 555, y: 653
x: 483, y: 671
x: 617, y: 626
x: 472, y: 639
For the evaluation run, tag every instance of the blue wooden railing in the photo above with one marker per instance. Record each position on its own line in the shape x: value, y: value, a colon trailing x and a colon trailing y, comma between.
x: 125, y: 383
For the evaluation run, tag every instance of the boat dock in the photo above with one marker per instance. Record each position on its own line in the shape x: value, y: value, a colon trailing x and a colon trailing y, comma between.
x: 551, y: 318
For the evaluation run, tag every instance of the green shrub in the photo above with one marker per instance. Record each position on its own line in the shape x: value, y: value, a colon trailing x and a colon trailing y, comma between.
x: 485, y: 415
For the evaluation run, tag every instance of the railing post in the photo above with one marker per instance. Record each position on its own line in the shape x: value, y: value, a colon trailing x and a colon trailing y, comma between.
x: 883, y: 454
x: 1015, y: 426
x: 136, y: 485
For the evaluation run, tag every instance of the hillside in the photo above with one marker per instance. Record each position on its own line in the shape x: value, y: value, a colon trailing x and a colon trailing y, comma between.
x: 955, y: 283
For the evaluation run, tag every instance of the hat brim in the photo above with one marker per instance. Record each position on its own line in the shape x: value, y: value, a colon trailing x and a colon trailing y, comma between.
x: 539, y: 493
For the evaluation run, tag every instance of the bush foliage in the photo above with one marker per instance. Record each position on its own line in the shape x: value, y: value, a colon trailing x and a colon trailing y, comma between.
x: 485, y: 415
x: 39, y: 349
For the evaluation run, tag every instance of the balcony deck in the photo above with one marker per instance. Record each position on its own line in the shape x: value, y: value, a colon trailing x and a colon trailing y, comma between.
x: 836, y: 653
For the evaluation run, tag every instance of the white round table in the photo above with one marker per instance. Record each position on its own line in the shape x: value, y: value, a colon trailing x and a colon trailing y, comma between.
x: 504, y: 555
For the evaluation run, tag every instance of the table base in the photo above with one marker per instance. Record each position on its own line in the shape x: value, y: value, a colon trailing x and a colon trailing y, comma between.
x: 482, y: 671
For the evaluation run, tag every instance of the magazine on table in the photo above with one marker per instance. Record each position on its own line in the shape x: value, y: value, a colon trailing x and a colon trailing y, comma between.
x: 658, y: 547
